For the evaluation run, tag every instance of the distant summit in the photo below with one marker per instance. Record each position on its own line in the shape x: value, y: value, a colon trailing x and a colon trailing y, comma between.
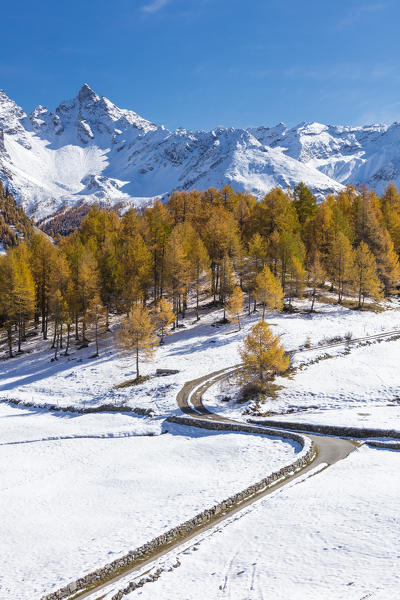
x: 89, y: 150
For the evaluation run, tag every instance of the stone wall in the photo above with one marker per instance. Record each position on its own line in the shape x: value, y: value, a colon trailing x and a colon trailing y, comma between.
x: 102, y: 408
x: 203, y: 518
x: 335, y: 430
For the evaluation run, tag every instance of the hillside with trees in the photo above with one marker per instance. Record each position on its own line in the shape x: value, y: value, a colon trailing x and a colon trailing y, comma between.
x: 215, y: 244
x: 14, y: 224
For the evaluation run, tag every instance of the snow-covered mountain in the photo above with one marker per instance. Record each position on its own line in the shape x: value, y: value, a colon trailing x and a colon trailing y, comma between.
x: 92, y: 151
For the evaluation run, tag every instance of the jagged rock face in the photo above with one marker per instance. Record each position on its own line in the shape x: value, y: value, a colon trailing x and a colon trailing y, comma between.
x: 90, y: 150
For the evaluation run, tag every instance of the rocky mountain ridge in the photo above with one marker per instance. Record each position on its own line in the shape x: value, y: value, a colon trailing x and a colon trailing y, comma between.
x: 89, y: 150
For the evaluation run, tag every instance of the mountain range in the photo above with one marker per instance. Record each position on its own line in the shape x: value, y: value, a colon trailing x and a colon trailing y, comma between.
x: 89, y: 150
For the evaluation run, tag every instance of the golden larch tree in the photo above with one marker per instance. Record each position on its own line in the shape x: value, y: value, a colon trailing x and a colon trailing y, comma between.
x: 164, y: 316
x: 96, y: 316
x: 365, y: 278
x: 262, y: 355
x: 340, y: 261
x: 268, y: 291
x: 317, y: 276
x: 235, y: 305
x: 137, y: 334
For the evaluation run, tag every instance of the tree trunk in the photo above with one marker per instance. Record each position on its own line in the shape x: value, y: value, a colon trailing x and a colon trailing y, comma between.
x: 97, y: 336
x: 76, y: 328
x: 197, y: 302
x: 68, y: 338
x: 19, y: 334
x: 9, y: 340
x: 55, y: 334
x: 313, y: 300
x: 56, y: 344
x: 137, y: 362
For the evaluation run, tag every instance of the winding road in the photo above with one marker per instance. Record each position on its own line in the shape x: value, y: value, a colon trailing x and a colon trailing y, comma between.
x: 329, y: 450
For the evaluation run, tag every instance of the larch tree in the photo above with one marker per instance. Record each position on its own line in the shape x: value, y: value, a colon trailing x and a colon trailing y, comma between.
x: 177, y: 268
x: 290, y: 246
x: 340, y: 261
x: 59, y: 311
x: 164, y: 316
x: 226, y: 281
x: 73, y: 250
x: 23, y: 290
x: 268, y: 291
x: 221, y: 237
x: 370, y: 228
x: 199, y: 266
x: 96, y: 316
x: 256, y: 260
x: 324, y: 229
x: 390, y: 206
x: 134, y: 271
x: 317, y: 276
x: 88, y: 287
x: 387, y: 263
x: 365, y: 279
x: 17, y: 293
x: 235, y: 305
x: 7, y: 306
x: 43, y: 253
x: 258, y: 251
x: 262, y: 355
x: 276, y: 211
x: 59, y: 285
x: 137, y: 334
x: 295, y: 279
x: 157, y: 229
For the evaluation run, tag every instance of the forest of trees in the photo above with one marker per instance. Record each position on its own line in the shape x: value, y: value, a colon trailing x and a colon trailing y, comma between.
x: 14, y: 224
x: 239, y: 251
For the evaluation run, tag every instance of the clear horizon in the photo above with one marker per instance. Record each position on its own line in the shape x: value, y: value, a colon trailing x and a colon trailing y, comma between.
x: 210, y: 63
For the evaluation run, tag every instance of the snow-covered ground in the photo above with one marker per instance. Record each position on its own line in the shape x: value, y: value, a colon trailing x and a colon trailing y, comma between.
x: 78, y: 490
x: 334, y: 535
x: 201, y: 348
x: 353, y: 386
x: 69, y: 506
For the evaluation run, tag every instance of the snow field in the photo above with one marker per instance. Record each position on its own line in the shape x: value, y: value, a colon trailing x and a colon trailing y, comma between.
x: 69, y: 506
x: 195, y: 350
x: 358, y: 386
x: 334, y: 535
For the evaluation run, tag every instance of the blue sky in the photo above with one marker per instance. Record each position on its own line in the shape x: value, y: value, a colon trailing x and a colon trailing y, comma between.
x: 204, y: 63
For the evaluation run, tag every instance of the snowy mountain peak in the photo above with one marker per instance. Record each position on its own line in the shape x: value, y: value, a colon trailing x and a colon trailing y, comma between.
x: 90, y: 150
x: 87, y: 95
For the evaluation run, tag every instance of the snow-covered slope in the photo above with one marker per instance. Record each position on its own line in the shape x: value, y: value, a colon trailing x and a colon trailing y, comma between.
x: 90, y: 150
